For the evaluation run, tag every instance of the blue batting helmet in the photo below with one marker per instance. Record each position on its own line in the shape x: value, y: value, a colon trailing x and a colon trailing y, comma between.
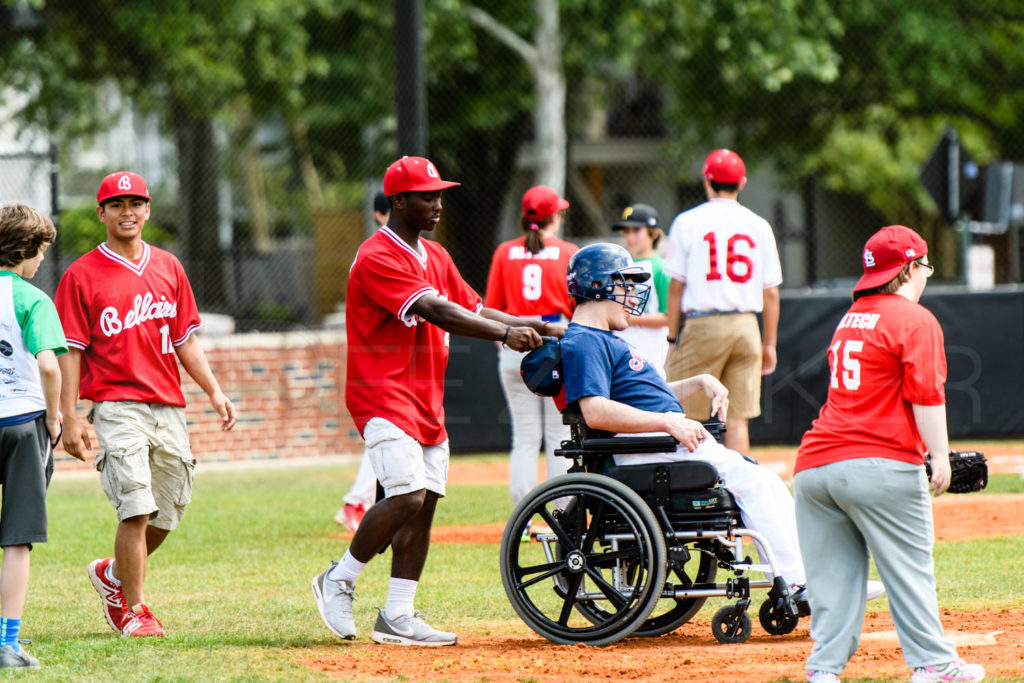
x: 596, y: 270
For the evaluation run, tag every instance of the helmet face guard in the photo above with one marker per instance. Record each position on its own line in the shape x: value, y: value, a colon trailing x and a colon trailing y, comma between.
x: 631, y: 294
x: 603, y: 271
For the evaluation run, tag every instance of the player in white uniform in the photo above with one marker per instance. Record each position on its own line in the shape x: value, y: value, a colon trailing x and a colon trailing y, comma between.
x: 725, y: 270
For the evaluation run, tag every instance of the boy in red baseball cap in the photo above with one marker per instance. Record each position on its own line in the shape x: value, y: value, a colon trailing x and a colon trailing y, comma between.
x: 404, y: 298
x: 129, y: 316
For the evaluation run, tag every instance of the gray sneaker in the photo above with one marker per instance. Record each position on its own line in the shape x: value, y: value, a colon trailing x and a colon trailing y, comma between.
x: 406, y: 630
x: 9, y: 659
x: 334, y: 600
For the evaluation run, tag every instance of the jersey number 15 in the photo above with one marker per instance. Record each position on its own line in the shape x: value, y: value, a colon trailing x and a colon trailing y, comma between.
x: 851, y: 366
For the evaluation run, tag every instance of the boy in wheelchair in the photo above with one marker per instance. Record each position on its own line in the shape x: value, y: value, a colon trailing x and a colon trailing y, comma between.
x: 619, y: 391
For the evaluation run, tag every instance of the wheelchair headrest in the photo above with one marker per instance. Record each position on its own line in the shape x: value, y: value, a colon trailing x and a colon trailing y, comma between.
x: 541, y: 368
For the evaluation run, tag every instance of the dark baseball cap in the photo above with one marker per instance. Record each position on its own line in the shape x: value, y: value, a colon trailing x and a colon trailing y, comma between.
x: 637, y: 216
x: 381, y: 203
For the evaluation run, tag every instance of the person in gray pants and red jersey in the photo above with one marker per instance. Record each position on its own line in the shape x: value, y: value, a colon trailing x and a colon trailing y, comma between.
x: 860, y: 484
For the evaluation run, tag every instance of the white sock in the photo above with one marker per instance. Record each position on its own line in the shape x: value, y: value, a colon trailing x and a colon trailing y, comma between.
x: 110, y: 574
x: 347, y: 569
x: 401, y: 594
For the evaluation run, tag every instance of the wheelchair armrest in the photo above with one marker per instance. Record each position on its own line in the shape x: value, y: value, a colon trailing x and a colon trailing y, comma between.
x: 630, y: 444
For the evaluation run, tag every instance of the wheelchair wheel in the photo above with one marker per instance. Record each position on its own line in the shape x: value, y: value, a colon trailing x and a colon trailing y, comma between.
x: 776, y: 620
x: 671, y: 613
x: 601, y: 575
x: 731, y: 625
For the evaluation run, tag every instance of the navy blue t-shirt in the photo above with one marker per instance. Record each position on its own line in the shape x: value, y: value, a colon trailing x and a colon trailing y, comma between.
x: 598, y: 363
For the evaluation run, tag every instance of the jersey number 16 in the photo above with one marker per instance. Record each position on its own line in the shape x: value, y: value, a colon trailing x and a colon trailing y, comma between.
x: 732, y: 259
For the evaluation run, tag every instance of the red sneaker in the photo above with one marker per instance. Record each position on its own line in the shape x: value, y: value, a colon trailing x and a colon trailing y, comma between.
x: 139, y: 622
x: 112, y: 596
x: 350, y: 516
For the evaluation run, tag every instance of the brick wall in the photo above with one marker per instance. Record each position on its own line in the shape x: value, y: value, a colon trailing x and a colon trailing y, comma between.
x: 289, y: 393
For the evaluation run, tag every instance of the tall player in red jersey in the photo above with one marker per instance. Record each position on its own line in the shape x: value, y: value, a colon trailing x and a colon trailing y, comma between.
x: 404, y: 298
x: 129, y: 316
x: 860, y: 483
x: 527, y: 278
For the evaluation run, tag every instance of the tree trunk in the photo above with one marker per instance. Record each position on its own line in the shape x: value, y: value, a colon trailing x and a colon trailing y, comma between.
x: 549, y: 113
x: 198, y: 220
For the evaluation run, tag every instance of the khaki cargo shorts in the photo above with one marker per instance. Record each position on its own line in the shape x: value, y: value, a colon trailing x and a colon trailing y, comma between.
x: 729, y: 348
x: 144, y: 460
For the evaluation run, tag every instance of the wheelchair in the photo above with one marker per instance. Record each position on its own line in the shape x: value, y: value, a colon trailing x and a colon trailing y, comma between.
x: 635, y: 550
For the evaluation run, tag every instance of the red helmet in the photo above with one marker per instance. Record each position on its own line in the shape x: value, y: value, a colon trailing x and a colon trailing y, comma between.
x: 724, y: 166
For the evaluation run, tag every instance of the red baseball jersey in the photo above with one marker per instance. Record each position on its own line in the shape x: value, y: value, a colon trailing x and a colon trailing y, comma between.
x: 521, y: 283
x: 886, y: 354
x: 396, y: 361
x: 127, y: 317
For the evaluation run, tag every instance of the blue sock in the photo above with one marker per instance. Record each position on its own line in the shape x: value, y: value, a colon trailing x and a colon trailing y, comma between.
x: 9, y: 632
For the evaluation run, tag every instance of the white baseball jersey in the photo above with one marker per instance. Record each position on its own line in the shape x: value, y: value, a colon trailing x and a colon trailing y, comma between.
x: 725, y: 254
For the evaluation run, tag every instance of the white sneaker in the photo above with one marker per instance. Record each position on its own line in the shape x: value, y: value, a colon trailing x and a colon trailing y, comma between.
x: 957, y: 670
x: 822, y: 677
x: 875, y: 589
x: 334, y: 600
x: 409, y: 630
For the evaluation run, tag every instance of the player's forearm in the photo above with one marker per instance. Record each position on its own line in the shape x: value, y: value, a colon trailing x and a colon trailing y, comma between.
x: 931, y: 425
x: 674, y: 307
x: 611, y: 416
x: 49, y: 377
x: 70, y: 365
x: 193, y: 359
x: 539, y: 326
x: 649, y: 320
x: 685, y: 388
x: 770, y: 316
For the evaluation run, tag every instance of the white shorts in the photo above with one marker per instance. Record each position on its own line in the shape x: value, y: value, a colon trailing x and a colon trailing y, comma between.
x: 402, y: 464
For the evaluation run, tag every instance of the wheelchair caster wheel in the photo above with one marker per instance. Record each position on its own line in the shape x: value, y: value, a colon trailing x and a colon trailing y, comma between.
x: 730, y: 626
x: 776, y: 620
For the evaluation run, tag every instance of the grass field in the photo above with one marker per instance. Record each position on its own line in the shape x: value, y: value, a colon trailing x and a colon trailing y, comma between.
x: 232, y: 584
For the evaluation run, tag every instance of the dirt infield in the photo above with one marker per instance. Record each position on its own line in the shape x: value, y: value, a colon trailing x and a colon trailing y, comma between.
x: 511, y: 652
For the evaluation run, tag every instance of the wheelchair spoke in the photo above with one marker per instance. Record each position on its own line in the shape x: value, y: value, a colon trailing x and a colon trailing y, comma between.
x: 570, y: 599
x: 609, y: 558
x: 546, y: 572
x: 609, y: 590
x: 559, y: 532
x: 596, y: 524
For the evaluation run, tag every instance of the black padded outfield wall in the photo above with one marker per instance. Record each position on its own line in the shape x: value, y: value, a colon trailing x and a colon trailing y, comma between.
x: 984, y: 350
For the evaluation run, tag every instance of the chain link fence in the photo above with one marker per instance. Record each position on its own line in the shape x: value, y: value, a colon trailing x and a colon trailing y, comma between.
x: 264, y: 128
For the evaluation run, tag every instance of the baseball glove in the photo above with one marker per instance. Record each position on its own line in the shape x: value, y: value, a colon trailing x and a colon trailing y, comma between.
x: 969, y: 471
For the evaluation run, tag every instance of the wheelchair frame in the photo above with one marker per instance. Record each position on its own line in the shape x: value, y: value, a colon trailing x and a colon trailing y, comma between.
x: 642, y: 558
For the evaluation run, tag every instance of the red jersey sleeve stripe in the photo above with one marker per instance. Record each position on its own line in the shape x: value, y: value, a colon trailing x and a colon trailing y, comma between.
x: 403, y: 312
x: 183, y: 338
x: 81, y: 345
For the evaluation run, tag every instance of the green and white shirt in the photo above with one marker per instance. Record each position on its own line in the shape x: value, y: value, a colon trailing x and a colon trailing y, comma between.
x: 28, y: 325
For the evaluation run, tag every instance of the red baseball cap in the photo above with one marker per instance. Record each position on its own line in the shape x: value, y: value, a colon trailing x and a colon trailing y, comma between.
x: 413, y: 174
x: 724, y: 166
x: 541, y: 202
x: 122, y: 184
x: 885, y: 254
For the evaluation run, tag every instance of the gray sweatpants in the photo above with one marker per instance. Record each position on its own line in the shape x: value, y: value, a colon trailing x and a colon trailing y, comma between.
x: 846, y: 510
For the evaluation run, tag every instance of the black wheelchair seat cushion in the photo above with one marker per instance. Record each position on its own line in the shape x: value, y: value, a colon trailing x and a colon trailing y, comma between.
x: 688, y: 475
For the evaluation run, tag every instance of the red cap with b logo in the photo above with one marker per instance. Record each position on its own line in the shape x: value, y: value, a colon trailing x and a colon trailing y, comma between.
x: 122, y: 184
x: 413, y: 174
